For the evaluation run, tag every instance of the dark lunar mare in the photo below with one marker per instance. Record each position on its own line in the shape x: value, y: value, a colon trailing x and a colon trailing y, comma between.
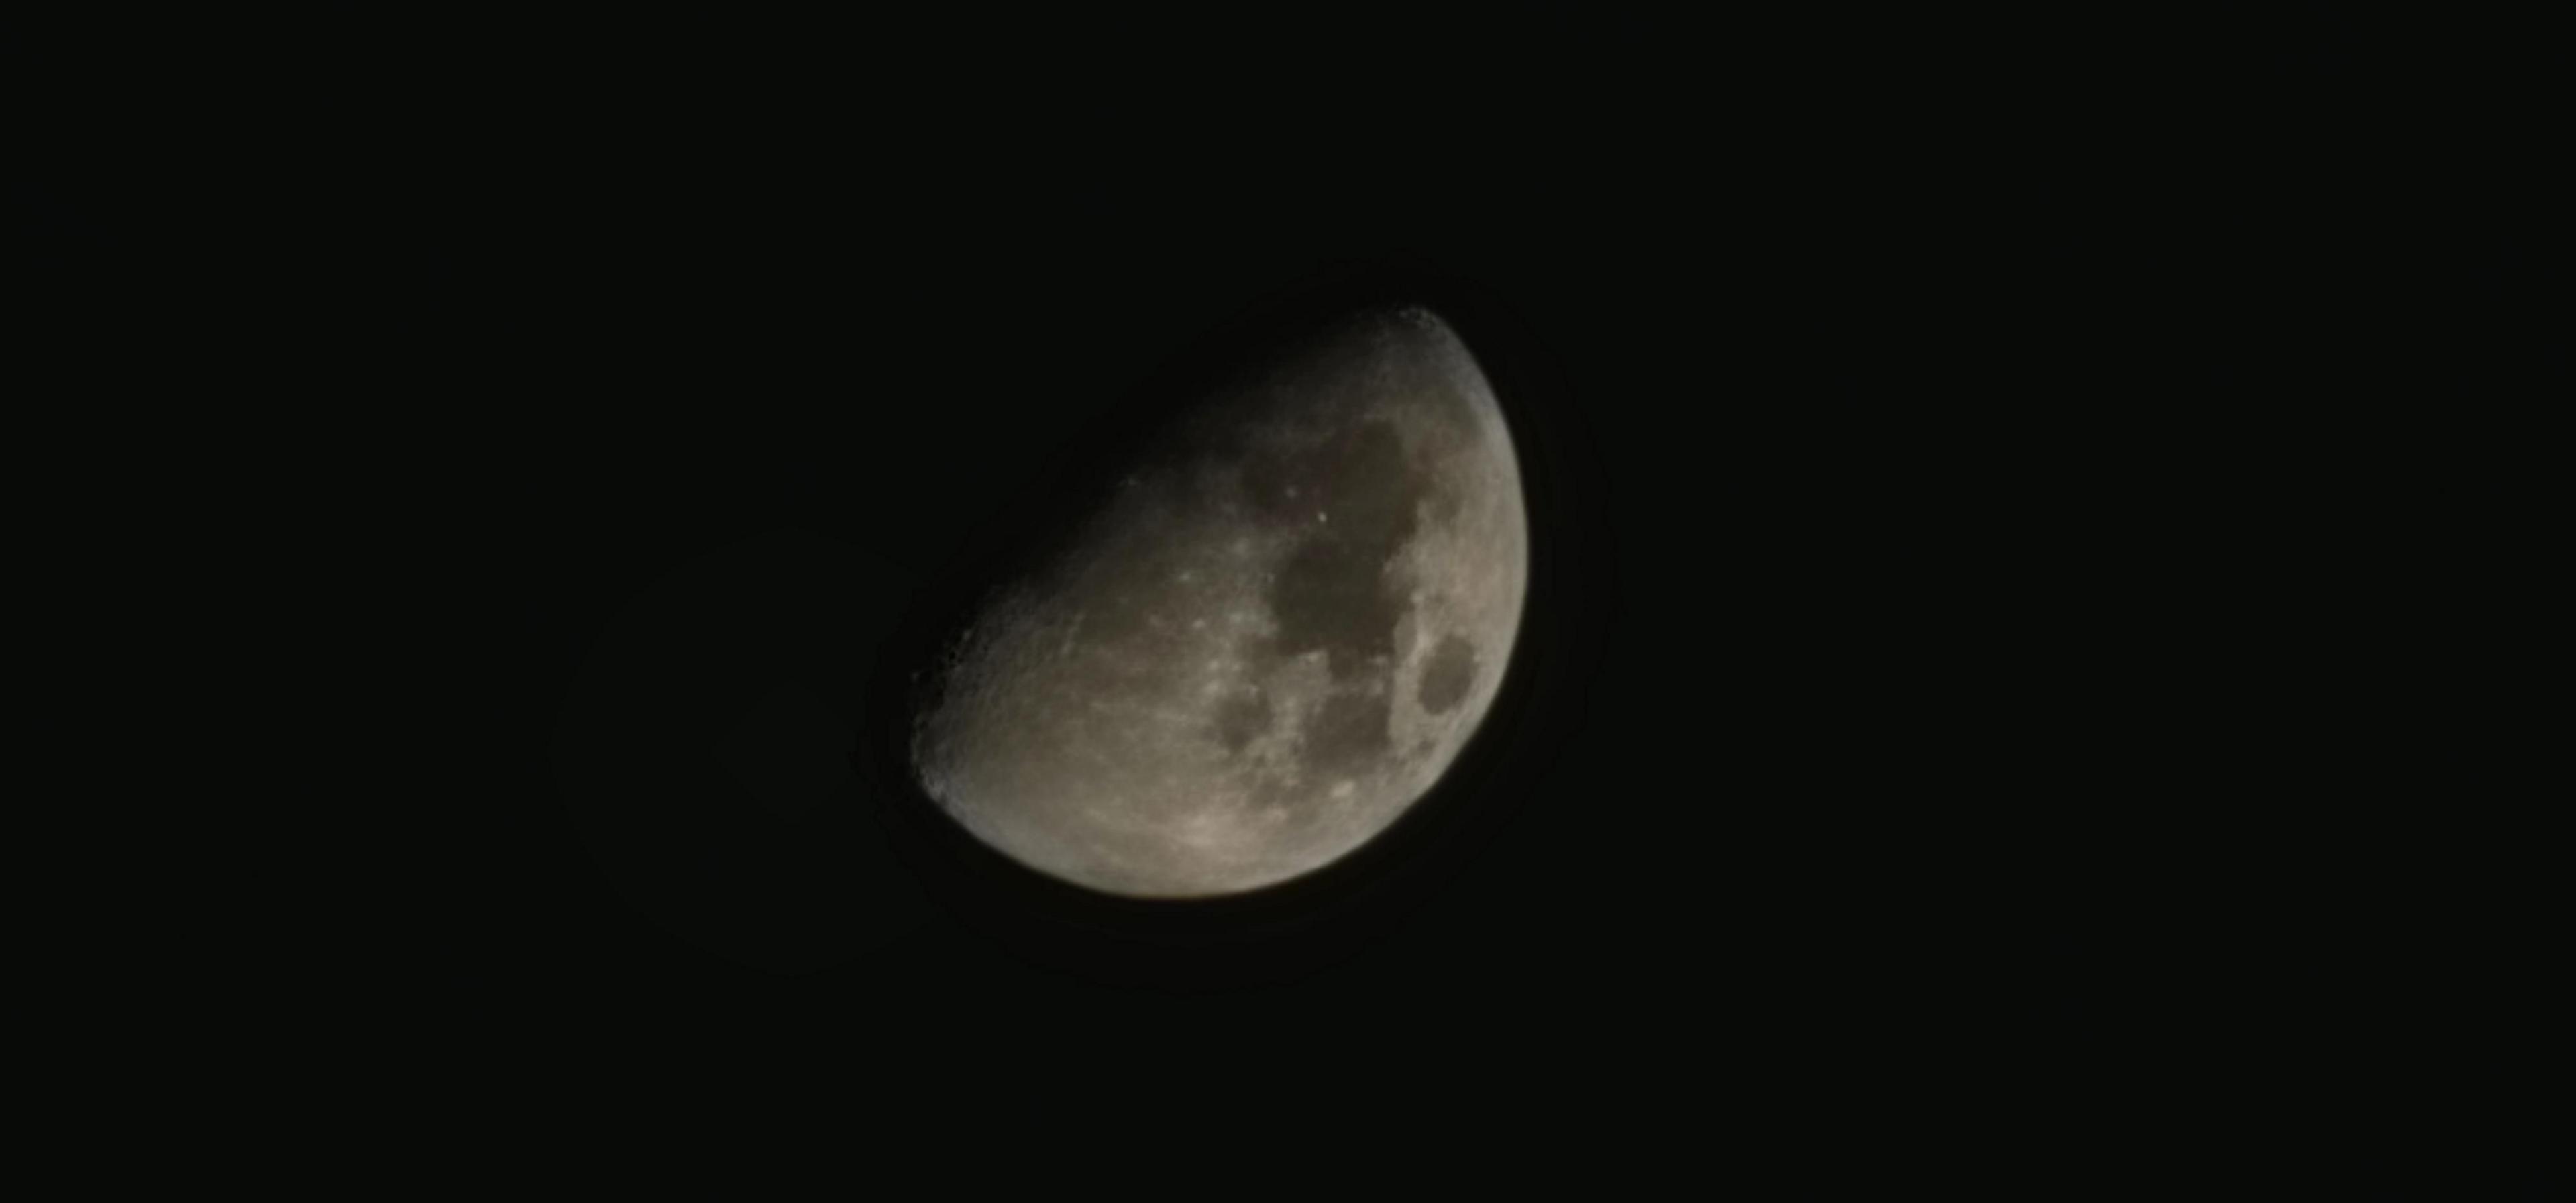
x: 1451, y: 671
x: 1333, y: 595
x: 1357, y: 498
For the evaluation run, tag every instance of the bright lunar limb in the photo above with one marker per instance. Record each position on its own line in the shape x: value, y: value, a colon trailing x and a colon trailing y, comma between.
x: 1270, y: 641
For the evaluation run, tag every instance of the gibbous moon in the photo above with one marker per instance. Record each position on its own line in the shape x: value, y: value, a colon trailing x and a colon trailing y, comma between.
x: 1271, y: 639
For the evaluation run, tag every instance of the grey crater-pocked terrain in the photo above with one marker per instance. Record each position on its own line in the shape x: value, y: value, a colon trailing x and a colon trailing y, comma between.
x: 1271, y: 639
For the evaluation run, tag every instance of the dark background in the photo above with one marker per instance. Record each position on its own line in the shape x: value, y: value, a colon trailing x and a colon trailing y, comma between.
x: 1945, y: 452
x: 1975, y: 457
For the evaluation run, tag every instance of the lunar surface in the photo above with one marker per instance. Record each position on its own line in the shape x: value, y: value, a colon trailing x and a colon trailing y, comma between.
x: 1271, y: 640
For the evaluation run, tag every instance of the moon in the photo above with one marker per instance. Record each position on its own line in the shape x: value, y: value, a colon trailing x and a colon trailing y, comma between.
x: 1270, y: 640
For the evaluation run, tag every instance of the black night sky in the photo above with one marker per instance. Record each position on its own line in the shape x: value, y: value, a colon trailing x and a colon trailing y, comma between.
x: 1910, y: 410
